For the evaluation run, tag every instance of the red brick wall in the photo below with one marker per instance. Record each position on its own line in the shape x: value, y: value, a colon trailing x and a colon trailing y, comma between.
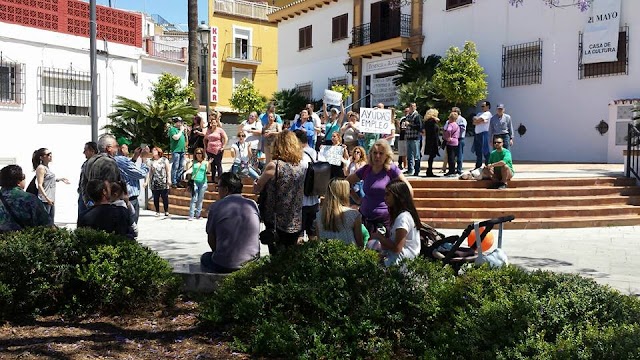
x: 72, y: 17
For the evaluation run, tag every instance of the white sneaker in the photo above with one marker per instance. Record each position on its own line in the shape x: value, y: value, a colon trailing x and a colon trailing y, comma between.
x: 190, y: 219
x: 157, y: 214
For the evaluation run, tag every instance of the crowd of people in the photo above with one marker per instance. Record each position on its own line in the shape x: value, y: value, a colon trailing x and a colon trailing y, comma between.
x: 368, y: 202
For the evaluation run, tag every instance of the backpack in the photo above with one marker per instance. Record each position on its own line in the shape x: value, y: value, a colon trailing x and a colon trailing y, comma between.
x: 317, y: 177
x: 32, y: 188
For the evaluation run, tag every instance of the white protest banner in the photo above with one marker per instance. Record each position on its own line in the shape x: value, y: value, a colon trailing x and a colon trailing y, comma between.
x: 383, y: 90
x: 600, y: 38
x: 375, y: 120
x: 333, y: 154
x: 332, y: 97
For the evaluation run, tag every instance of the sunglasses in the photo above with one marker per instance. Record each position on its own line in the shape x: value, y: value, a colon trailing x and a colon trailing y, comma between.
x: 199, y: 153
x: 497, y: 142
x: 242, y: 135
x: 47, y: 154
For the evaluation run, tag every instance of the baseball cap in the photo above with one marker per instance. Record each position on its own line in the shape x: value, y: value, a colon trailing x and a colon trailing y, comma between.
x: 176, y: 119
x: 500, y: 106
x: 334, y: 110
x: 123, y: 141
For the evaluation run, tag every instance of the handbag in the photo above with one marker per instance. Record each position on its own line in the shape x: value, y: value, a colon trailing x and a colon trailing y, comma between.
x: 269, y: 235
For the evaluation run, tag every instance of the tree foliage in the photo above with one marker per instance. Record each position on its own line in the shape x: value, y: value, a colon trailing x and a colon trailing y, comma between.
x: 423, y: 93
x: 411, y: 70
x: 460, y: 78
x: 246, y: 98
x: 289, y: 102
x: 146, y: 123
x: 345, y: 90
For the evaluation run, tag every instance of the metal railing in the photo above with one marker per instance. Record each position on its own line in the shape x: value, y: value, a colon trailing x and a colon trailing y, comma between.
x: 633, y: 151
x: 244, y: 8
x: 387, y: 29
x: 243, y: 53
x: 163, y: 51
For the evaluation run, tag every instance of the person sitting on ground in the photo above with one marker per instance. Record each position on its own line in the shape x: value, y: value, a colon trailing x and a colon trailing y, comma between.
x: 104, y: 215
x: 233, y: 226
x: 500, y: 167
x: 18, y: 208
x: 336, y: 220
x: 404, y: 238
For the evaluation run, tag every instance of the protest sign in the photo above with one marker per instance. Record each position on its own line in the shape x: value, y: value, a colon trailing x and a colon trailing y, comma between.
x: 375, y: 120
x: 333, y: 154
x: 332, y: 97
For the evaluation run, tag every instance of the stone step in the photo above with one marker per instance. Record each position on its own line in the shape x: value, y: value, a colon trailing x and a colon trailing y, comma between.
x: 530, y: 212
x: 454, y: 183
x: 541, y: 223
x: 531, y: 192
x: 614, y: 199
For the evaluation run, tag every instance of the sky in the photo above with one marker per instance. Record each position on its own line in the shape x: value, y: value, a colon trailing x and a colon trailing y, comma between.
x: 174, y: 11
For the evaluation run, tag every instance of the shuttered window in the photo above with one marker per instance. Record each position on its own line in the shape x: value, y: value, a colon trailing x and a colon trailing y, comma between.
x: 339, y: 27
x: 304, y: 38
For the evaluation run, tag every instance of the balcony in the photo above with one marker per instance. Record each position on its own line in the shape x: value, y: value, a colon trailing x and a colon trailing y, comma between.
x: 248, y: 9
x: 165, y: 52
x: 240, y: 54
x: 386, y: 29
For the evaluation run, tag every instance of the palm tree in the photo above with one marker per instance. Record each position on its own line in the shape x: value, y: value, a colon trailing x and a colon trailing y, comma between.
x: 192, y: 21
x: 145, y: 123
x: 410, y: 70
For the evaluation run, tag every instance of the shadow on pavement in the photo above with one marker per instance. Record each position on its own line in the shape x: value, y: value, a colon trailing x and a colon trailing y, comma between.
x: 530, y: 262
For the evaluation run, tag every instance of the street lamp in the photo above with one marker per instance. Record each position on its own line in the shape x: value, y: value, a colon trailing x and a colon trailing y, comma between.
x: 204, y: 34
x: 407, y: 54
x: 348, y: 66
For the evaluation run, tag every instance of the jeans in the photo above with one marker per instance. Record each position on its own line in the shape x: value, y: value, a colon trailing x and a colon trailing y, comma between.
x: 413, y: 155
x: 505, y: 139
x: 165, y: 199
x: 136, y: 208
x: 82, y: 207
x: 460, y: 154
x: 51, y: 210
x: 177, y: 158
x: 196, y: 198
x: 481, y: 147
x: 235, y: 168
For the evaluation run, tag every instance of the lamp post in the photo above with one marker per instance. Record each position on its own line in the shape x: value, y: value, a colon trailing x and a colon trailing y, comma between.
x: 94, y: 72
x: 204, y: 34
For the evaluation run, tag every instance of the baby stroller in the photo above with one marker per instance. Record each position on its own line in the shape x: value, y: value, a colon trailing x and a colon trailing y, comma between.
x: 450, y: 251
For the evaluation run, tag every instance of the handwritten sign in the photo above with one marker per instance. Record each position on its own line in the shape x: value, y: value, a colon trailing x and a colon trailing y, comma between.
x: 333, y: 154
x: 376, y: 121
x: 332, y: 97
x: 383, y: 90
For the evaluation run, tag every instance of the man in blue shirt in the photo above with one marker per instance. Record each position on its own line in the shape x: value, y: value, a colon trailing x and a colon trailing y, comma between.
x: 132, y: 173
x: 264, y: 117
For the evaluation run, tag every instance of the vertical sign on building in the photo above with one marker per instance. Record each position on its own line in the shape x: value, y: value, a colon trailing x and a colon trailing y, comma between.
x: 600, y: 39
x: 214, y: 64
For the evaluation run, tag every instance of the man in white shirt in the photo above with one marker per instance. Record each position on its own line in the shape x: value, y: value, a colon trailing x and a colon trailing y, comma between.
x: 481, y: 139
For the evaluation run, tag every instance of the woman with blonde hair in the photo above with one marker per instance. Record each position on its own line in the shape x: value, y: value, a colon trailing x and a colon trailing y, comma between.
x: 432, y: 138
x: 269, y: 132
x: 336, y: 220
x: 283, y: 180
x: 379, y: 172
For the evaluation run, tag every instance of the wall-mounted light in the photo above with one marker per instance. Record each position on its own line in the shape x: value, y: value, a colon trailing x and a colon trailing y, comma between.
x: 134, y: 74
x: 407, y: 54
x: 522, y: 130
x: 348, y: 66
x: 602, y: 127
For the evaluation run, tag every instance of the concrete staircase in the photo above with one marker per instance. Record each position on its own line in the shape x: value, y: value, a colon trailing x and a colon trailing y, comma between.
x: 536, y: 203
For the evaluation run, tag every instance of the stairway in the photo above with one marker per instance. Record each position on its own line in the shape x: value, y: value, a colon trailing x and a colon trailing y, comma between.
x: 536, y: 203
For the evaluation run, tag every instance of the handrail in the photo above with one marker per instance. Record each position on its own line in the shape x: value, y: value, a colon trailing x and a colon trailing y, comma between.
x: 164, y: 51
x: 243, y: 53
x: 244, y: 8
x: 633, y: 151
x: 370, y: 33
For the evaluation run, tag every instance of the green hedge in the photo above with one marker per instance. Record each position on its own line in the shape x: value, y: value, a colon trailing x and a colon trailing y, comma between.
x: 328, y: 300
x: 46, y: 270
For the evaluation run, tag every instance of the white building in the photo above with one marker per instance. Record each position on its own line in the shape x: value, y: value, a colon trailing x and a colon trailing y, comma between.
x: 541, y: 80
x: 45, y: 84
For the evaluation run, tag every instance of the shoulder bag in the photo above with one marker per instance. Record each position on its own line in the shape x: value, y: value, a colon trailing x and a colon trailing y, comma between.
x: 270, y: 234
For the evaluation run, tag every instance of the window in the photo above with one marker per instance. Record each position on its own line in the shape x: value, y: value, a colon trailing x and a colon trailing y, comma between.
x: 241, y: 43
x: 452, y: 4
x: 305, y: 90
x: 304, y: 38
x: 339, y: 27
x: 337, y: 81
x: 620, y: 67
x: 239, y: 74
x: 65, y: 92
x: 522, y: 64
x: 12, y: 85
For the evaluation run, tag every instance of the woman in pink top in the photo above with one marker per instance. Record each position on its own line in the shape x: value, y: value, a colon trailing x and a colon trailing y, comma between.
x: 450, y: 136
x: 214, y: 142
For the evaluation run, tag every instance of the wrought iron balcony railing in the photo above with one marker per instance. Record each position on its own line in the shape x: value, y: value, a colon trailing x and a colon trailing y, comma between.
x: 164, y: 51
x: 370, y: 33
x: 242, y: 54
x: 254, y: 10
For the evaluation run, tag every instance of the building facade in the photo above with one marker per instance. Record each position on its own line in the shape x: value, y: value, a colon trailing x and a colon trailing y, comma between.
x: 244, y: 44
x: 45, y: 81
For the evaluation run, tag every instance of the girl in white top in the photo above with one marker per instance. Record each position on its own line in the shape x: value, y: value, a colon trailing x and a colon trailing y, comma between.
x: 336, y: 220
x: 252, y: 127
x: 242, y: 152
x: 404, y: 240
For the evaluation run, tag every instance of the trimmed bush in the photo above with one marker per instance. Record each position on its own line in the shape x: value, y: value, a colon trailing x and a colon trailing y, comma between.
x: 47, y: 270
x: 329, y: 300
